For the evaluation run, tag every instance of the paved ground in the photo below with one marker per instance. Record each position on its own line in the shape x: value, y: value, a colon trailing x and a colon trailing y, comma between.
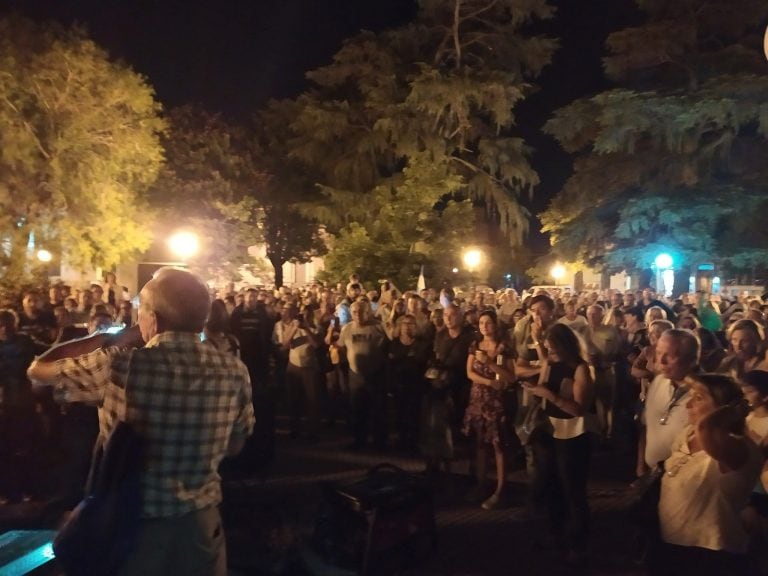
x: 269, y: 517
x: 471, y: 541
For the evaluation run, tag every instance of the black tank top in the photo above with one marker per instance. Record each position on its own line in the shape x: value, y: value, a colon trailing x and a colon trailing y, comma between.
x: 559, y: 371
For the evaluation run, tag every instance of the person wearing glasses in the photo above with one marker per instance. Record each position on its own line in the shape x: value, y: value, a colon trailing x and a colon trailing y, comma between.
x: 677, y: 356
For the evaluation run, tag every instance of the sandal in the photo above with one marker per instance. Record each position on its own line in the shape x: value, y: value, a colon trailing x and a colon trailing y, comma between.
x: 492, y: 503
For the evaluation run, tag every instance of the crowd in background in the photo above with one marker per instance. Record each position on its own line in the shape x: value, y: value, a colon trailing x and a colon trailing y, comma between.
x: 547, y: 377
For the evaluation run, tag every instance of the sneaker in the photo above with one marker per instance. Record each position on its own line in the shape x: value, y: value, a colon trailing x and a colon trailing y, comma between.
x: 492, y: 503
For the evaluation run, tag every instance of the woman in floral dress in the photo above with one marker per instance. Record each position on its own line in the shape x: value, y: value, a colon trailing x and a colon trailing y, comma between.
x: 491, y: 369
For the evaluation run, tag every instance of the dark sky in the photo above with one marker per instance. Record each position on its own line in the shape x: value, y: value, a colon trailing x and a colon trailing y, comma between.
x: 234, y: 55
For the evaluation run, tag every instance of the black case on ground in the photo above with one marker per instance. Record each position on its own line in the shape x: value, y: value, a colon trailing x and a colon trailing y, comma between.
x: 377, y: 524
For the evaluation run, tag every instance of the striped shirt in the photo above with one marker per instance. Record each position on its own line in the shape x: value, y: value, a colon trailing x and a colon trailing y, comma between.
x: 186, y: 399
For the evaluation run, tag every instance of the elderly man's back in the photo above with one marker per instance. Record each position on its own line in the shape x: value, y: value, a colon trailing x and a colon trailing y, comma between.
x: 190, y: 403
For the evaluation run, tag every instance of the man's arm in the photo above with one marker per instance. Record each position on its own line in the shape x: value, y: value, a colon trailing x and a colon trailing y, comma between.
x: 45, y: 370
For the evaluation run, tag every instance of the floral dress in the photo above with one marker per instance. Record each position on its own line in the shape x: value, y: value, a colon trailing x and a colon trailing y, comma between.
x: 485, y: 412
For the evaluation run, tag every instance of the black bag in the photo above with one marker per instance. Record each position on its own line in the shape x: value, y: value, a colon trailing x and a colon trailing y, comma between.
x: 102, y: 529
x: 384, y: 520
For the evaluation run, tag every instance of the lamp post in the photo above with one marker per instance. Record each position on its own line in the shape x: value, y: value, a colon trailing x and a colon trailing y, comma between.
x: 472, y: 259
x: 557, y: 272
x: 44, y: 256
x: 663, y: 264
x: 184, y: 244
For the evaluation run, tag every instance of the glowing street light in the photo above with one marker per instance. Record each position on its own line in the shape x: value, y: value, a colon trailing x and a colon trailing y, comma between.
x: 44, y: 256
x: 557, y: 272
x: 665, y: 276
x: 472, y: 258
x: 184, y: 244
x: 663, y: 261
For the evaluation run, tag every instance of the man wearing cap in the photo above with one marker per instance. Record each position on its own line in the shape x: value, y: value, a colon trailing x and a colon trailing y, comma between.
x: 191, y: 404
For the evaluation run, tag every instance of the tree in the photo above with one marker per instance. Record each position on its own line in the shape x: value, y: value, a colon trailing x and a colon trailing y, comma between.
x: 78, y: 148
x: 408, y: 127
x: 673, y: 159
x: 208, y: 184
x: 289, y: 235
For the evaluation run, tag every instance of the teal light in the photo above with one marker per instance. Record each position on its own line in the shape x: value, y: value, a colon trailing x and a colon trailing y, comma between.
x: 663, y: 261
x: 16, y: 544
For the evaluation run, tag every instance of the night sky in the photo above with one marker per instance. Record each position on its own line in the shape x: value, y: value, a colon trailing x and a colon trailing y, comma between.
x: 233, y: 56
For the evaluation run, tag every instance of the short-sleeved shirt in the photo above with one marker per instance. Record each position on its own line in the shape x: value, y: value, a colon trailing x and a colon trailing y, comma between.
x: 700, y: 504
x: 663, y: 401
x: 185, y: 398
x: 300, y: 352
x: 366, y: 347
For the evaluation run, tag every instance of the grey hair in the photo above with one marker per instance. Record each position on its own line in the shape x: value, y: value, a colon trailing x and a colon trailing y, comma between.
x: 179, y: 299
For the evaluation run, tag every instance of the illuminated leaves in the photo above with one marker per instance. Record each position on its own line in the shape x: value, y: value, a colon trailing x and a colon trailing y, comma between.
x: 78, y: 148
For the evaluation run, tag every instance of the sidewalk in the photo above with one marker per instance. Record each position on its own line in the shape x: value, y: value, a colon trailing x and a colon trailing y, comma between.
x: 270, y: 518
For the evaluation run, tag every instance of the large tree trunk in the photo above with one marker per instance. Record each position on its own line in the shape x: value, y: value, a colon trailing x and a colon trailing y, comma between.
x: 278, y: 266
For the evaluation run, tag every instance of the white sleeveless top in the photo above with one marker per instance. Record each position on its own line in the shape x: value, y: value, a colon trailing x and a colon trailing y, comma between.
x: 699, y: 504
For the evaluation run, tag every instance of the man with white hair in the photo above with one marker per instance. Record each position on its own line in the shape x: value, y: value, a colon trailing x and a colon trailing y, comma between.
x: 191, y: 404
x: 677, y: 356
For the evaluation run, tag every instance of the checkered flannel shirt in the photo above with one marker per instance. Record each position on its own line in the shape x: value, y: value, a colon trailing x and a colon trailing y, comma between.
x: 183, y: 396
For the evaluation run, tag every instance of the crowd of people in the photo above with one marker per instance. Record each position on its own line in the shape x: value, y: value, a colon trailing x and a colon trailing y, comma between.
x: 551, y: 376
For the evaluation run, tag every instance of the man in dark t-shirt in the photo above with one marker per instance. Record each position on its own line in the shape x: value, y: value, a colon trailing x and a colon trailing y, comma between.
x: 450, y: 356
x: 406, y: 363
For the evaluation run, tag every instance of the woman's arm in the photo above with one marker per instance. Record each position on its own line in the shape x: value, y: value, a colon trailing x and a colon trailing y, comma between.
x: 474, y: 376
x: 582, y: 393
x: 506, y: 371
x: 639, y: 369
x: 715, y: 434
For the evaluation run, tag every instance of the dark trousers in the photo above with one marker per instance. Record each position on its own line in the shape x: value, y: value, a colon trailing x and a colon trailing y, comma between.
x: 407, y: 410
x: 560, y: 484
x: 79, y: 430
x: 367, y: 402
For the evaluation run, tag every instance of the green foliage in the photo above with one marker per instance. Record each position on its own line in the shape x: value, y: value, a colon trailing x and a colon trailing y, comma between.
x: 405, y: 124
x: 675, y: 158
x: 78, y: 148
x: 289, y: 234
x: 206, y: 185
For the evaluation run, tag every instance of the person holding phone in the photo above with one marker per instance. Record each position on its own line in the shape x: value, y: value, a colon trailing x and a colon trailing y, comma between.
x: 568, y: 397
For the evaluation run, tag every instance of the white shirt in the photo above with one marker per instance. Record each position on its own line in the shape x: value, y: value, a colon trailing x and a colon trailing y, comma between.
x: 300, y: 353
x: 660, y: 403
x: 700, y: 505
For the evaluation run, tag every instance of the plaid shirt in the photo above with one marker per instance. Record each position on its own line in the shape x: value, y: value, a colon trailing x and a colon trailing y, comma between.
x: 184, y: 397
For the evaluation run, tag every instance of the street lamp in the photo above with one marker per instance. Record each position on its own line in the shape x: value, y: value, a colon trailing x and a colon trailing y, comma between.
x: 44, y: 256
x: 472, y: 258
x: 184, y: 244
x: 664, y: 273
x: 558, y: 273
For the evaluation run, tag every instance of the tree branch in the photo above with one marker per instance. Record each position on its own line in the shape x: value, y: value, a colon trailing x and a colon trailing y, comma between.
x: 479, y: 11
x: 28, y: 128
x: 456, y: 39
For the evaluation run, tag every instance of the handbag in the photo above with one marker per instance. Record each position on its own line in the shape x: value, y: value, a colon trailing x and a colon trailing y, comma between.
x: 101, y: 531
